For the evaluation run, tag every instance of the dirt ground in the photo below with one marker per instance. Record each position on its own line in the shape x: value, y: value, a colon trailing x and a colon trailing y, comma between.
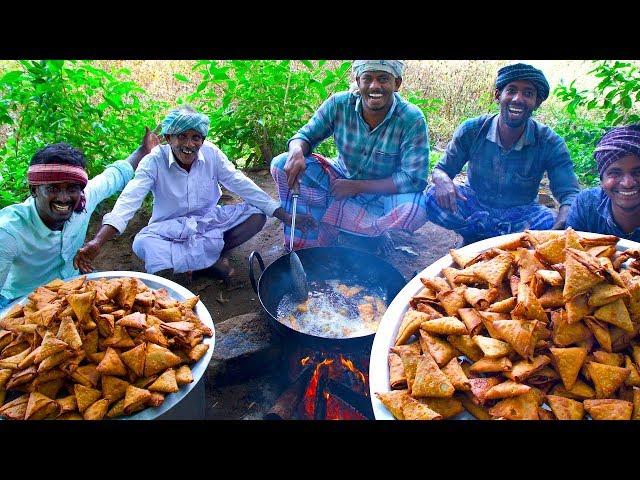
x: 413, y: 252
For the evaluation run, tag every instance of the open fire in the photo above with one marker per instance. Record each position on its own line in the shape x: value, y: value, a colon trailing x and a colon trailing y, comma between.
x: 325, y: 386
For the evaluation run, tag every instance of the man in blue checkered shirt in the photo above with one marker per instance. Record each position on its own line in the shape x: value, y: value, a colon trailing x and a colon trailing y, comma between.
x: 376, y: 184
x: 506, y: 155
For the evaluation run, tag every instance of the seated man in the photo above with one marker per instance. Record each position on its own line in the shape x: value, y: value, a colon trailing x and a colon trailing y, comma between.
x: 376, y: 183
x: 507, y: 155
x: 187, y: 231
x: 39, y: 237
x: 613, y: 208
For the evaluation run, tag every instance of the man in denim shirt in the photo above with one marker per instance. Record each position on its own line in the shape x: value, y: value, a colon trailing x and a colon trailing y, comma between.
x: 613, y: 208
x: 507, y: 155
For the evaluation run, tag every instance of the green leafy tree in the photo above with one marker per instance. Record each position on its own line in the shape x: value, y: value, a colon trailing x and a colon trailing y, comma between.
x: 48, y: 101
x: 255, y: 106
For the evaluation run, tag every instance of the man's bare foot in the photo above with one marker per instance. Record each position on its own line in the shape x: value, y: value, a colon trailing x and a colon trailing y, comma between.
x: 223, y: 270
x: 183, y: 278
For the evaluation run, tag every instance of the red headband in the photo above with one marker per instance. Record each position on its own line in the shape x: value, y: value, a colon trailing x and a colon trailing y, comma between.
x: 42, y: 174
x: 45, y: 173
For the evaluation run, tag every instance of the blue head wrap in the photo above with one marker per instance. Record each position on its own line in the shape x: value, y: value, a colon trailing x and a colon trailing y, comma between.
x: 522, y: 71
x: 615, y: 144
x: 180, y: 120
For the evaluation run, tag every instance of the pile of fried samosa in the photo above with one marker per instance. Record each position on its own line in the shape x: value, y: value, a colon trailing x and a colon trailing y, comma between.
x: 90, y: 349
x: 542, y: 327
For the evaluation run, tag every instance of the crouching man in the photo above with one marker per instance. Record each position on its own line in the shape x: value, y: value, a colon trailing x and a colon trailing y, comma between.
x: 188, y: 230
x: 613, y: 208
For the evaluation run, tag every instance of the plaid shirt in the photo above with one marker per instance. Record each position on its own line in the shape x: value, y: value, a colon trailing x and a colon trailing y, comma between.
x: 510, y: 178
x: 397, y: 148
x: 591, y: 212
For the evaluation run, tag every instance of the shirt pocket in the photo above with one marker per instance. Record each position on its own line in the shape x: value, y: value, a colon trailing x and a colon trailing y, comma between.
x: 524, y: 187
x: 385, y: 163
x: 207, y: 191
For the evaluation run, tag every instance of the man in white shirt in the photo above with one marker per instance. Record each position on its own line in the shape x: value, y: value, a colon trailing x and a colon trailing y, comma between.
x: 187, y: 231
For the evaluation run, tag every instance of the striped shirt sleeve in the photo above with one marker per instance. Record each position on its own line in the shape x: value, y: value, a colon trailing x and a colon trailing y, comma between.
x: 414, y: 167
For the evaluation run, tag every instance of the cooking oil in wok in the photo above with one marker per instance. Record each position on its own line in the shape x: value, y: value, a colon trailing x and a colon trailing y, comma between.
x: 335, y: 310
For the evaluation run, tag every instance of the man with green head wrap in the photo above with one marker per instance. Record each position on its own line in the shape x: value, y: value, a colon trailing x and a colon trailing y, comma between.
x: 188, y: 230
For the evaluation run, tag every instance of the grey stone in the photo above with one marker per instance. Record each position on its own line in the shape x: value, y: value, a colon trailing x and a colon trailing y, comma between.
x: 246, y: 347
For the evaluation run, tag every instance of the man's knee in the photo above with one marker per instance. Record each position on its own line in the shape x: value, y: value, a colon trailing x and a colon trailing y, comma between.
x: 138, y: 246
x: 278, y: 162
x: 257, y: 221
x: 143, y: 244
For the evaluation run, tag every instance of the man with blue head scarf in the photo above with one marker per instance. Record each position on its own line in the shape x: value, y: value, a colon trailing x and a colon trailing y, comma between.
x: 375, y: 185
x: 188, y: 230
x: 507, y: 155
x: 613, y: 207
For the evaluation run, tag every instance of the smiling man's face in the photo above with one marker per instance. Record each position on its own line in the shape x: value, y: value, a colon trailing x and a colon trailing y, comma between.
x: 621, y: 182
x: 185, y: 145
x: 376, y: 90
x: 55, y: 202
x: 518, y: 100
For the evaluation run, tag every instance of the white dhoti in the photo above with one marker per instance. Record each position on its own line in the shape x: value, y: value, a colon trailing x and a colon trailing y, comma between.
x: 188, y: 243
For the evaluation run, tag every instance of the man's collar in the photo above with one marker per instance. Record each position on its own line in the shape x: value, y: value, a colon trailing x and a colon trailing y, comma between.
x: 527, y: 138
x: 172, y: 158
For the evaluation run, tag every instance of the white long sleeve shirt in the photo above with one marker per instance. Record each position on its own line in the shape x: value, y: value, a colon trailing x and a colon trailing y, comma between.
x: 178, y: 193
x: 31, y: 254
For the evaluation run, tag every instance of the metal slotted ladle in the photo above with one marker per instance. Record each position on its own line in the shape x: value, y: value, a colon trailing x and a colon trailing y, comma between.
x: 299, y: 277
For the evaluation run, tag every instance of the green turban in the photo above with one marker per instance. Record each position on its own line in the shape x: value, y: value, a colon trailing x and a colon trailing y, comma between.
x: 180, y: 120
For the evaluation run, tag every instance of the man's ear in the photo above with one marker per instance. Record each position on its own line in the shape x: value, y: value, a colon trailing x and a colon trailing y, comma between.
x: 167, y: 137
x: 496, y: 95
x: 398, y: 83
x: 32, y: 189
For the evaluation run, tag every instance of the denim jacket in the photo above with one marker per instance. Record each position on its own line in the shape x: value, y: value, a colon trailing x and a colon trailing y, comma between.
x: 509, y: 178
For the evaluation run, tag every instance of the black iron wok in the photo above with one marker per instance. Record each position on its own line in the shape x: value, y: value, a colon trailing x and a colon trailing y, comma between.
x: 323, y: 263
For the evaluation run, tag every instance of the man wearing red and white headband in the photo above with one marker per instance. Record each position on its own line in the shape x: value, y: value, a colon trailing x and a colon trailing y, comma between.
x: 40, y: 236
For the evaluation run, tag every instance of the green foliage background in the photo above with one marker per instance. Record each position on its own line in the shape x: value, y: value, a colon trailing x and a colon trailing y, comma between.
x: 102, y: 113
x: 256, y: 106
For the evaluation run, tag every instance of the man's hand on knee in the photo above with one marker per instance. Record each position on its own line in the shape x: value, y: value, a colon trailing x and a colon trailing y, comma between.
x: 561, y: 219
x: 342, y: 188
x: 446, y: 192
x: 304, y: 222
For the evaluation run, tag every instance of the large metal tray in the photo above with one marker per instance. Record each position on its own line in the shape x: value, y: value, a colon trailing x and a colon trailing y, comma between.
x: 388, y: 328
x: 197, y: 369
